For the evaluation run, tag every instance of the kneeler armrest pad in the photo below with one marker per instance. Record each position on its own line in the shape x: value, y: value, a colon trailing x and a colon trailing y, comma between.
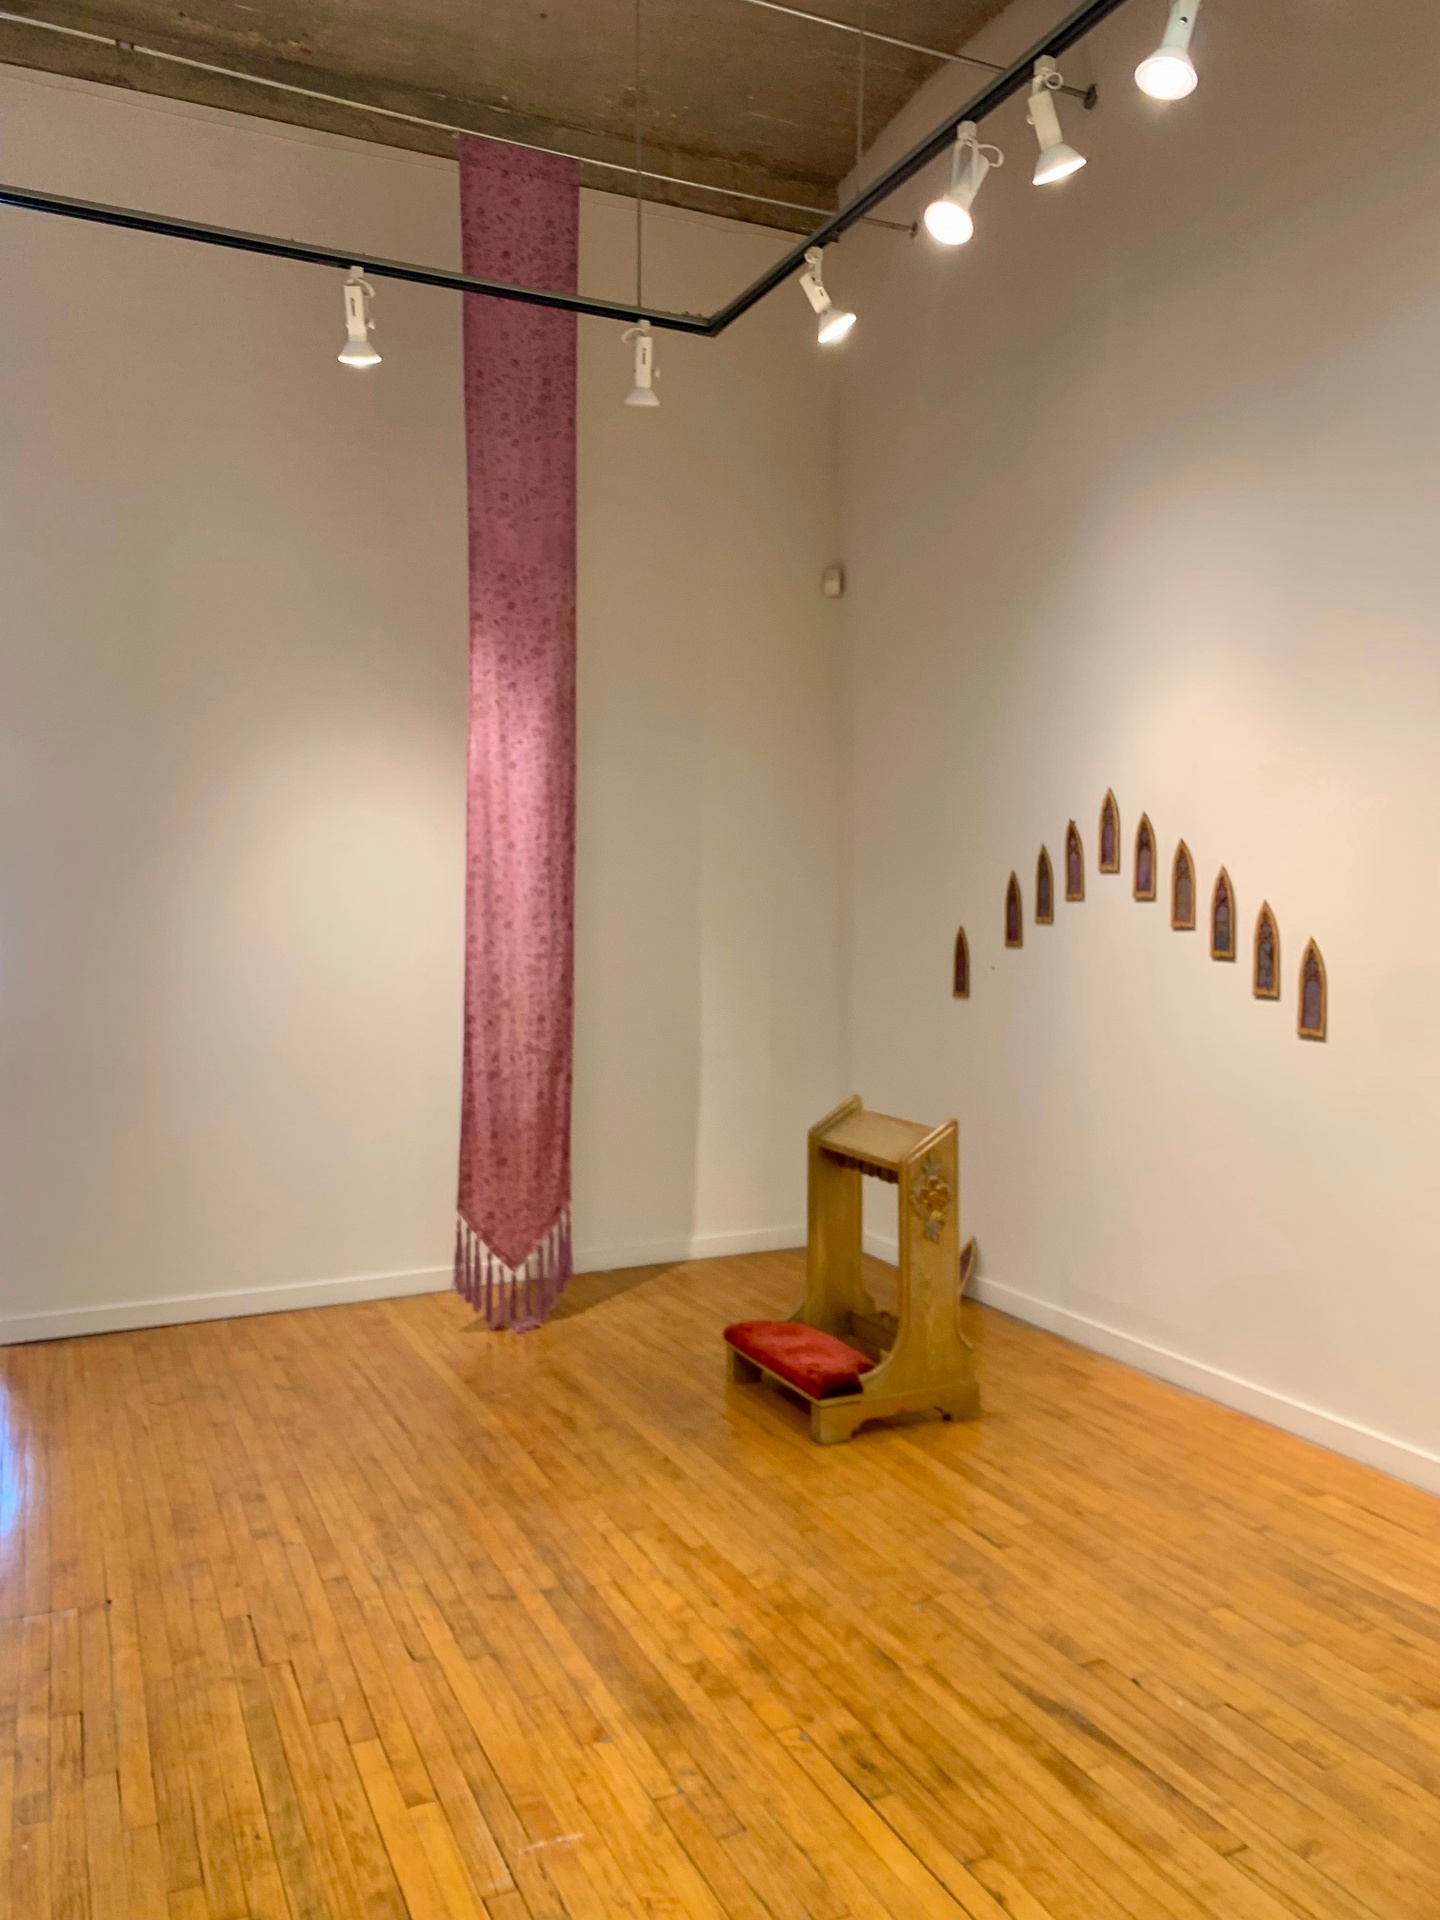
x: 815, y: 1362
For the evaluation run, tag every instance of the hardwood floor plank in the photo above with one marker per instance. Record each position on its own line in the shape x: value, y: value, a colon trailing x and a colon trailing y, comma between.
x: 424, y: 1899
x: 7, y: 1835
x: 32, y: 1724
x: 104, y: 1850
x: 378, y: 1890
x: 70, y: 1854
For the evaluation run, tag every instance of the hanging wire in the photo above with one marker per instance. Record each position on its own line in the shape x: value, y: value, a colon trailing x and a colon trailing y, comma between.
x: 860, y: 94
x: 639, y: 176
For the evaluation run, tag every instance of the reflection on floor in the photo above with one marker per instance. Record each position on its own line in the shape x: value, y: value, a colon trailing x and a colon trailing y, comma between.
x: 357, y: 1613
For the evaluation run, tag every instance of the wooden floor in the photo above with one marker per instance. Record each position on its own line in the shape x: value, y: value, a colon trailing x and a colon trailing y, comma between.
x: 364, y: 1612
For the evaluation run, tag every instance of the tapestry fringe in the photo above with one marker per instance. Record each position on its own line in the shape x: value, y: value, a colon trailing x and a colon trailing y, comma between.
x: 520, y: 1297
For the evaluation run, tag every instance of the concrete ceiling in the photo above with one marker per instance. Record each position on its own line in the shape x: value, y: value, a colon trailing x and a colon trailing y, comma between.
x: 733, y: 95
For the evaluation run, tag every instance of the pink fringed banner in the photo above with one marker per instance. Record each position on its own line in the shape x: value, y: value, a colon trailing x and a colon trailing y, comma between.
x: 519, y: 217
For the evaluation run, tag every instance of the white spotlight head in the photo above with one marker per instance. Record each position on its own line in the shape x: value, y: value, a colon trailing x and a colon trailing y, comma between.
x: 1057, y: 160
x: 1169, y: 73
x: 359, y: 349
x: 643, y: 393
x: 948, y: 219
x: 835, y: 322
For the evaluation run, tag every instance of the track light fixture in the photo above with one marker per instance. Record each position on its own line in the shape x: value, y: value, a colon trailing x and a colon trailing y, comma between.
x: 643, y: 393
x: 835, y: 322
x: 948, y: 218
x: 1057, y: 160
x: 1169, y: 73
x: 359, y: 349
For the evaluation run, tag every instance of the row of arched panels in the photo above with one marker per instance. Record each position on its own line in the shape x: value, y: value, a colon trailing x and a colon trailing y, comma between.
x: 1313, y: 987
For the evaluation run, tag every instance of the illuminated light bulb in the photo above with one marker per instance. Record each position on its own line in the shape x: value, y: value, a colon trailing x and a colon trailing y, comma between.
x: 1057, y: 161
x: 948, y: 222
x: 1169, y: 73
x: 835, y: 322
x: 949, y: 219
x: 359, y: 349
x: 643, y: 393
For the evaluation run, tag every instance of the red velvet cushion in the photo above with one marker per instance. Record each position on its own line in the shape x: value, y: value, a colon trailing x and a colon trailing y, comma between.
x: 817, y: 1363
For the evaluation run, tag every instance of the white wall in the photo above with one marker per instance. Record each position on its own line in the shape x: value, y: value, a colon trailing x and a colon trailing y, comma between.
x: 711, y: 800
x: 1140, y: 491
x: 232, y: 676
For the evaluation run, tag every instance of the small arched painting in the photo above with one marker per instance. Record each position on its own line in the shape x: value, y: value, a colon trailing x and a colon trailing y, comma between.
x: 1182, y: 891
x: 1044, y: 891
x: 1314, y: 995
x: 1222, y: 919
x: 1267, y: 956
x: 962, y: 966
x: 1109, y: 835
x: 1074, y: 864
x: 1014, y: 915
x: 1144, y: 859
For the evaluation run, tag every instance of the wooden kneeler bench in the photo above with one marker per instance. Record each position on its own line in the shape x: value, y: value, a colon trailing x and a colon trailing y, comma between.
x: 850, y: 1362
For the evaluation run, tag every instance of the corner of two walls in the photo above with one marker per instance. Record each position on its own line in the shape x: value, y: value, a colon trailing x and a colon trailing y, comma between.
x: 1135, y: 497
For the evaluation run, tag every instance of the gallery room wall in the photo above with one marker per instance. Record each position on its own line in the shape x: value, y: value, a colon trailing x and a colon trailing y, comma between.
x: 1140, y: 492
x: 232, y: 731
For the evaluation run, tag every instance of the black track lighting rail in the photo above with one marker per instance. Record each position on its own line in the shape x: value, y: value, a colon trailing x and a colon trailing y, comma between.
x: 275, y: 249
x: 1002, y: 88
x: 980, y: 106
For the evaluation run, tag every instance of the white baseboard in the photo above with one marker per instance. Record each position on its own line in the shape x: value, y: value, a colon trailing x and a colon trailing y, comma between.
x: 1332, y: 1430
x: 694, y: 1246
x: 66, y: 1322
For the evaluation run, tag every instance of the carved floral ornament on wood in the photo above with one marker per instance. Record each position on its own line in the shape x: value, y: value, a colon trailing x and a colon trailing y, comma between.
x: 930, y: 1197
x: 1312, y: 1022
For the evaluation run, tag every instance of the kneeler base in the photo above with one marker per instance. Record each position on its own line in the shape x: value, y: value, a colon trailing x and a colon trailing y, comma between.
x: 839, y: 1415
x: 924, y: 1363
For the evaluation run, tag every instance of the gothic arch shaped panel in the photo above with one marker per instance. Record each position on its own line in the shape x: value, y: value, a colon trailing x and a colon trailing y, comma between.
x: 1265, y: 975
x: 1014, y: 915
x: 1109, y: 834
x: 1044, y: 891
x: 1074, y: 864
x: 1314, y: 995
x: 1144, y: 859
x: 1222, y: 918
x: 962, y: 966
x: 1182, y: 891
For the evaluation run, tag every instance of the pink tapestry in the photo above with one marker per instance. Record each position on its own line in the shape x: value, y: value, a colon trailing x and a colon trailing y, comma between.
x: 519, y: 216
